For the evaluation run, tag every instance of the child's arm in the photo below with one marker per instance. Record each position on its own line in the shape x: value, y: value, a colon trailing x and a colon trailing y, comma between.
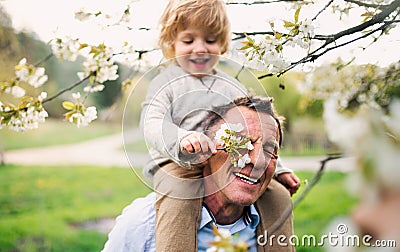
x: 286, y: 177
x: 159, y: 129
x: 156, y: 122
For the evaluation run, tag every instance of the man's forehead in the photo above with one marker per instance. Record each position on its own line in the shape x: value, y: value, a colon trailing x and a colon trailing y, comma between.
x: 252, y: 120
x: 248, y: 116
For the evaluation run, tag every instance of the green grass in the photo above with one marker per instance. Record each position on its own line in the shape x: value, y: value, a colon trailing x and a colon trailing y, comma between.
x: 55, y: 132
x: 138, y: 146
x: 327, y: 200
x: 40, y: 206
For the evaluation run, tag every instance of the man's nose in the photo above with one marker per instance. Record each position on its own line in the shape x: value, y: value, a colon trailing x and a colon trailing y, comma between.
x: 200, y: 47
x: 258, y: 158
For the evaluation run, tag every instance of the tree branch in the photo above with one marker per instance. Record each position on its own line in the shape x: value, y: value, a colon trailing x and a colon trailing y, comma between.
x: 66, y: 89
x: 378, y: 18
x: 368, y: 5
x: 323, y: 9
x: 43, y: 60
x: 288, y: 211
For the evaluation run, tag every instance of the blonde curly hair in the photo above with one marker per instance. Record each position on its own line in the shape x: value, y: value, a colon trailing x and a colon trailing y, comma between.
x: 203, y: 14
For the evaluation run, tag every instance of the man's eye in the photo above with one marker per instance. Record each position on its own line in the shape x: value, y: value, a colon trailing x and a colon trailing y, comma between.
x: 269, y: 149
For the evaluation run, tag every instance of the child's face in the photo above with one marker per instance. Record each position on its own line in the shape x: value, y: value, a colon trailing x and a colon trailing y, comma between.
x: 197, y: 51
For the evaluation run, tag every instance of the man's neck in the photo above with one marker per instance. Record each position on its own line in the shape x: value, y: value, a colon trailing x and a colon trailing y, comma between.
x: 224, y: 213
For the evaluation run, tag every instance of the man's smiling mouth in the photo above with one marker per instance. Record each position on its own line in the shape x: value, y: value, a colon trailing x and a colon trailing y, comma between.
x: 246, y: 179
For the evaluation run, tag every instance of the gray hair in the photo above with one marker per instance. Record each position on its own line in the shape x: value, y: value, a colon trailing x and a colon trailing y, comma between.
x: 256, y: 103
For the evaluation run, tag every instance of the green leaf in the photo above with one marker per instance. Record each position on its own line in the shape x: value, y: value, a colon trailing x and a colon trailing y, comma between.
x: 296, y: 15
x: 279, y: 48
x: 288, y: 24
x: 68, y: 105
x: 92, y: 78
x: 367, y: 14
x: 68, y: 115
x: 81, y: 46
x: 278, y: 35
x: 251, y: 41
x: 246, y: 46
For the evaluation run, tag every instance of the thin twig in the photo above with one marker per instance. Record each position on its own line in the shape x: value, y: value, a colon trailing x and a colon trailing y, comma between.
x: 288, y: 211
x: 66, y: 89
x: 44, y: 60
x: 323, y: 9
x: 316, y: 178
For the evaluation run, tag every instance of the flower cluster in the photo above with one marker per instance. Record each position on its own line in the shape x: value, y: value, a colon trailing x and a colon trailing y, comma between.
x: 99, y: 65
x: 227, y: 136
x: 32, y: 75
x: 224, y: 241
x: 78, y: 114
x: 352, y: 86
x: 267, y: 53
x: 25, y: 116
x: 65, y: 49
x: 24, y: 73
x: 372, y: 137
x: 29, y: 112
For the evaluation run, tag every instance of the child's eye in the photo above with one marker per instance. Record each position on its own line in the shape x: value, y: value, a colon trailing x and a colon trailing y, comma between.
x: 211, y: 41
x: 187, y: 41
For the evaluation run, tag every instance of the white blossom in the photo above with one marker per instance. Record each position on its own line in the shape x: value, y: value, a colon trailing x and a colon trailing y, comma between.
x: 249, y: 145
x: 228, y: 137
x: 84, y: 119
x: 82, y: 15
x: 37, y: 78
x: 225, y: 233
x: 65, y: 49
x: 93, y: 88
x: 256, y: 64
x: 33, y: 76
x: 27, y: 120
x: 76, y: 96
x: 42, y: 96
x: 101, y: 65
x: 307, y: 28
x: 242, y: 161
x: 15, y: 91
x: 371, y: 138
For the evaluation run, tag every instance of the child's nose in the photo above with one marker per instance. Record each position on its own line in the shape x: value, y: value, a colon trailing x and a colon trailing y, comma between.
x: 200, y: 47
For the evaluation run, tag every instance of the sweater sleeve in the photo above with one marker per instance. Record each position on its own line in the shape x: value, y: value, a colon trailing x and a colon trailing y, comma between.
x: 280, y: 168
x: 160, y: 132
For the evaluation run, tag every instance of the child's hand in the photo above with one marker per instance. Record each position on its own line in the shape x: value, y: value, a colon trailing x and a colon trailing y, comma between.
x: 290, y: 181
x: 197, y: 143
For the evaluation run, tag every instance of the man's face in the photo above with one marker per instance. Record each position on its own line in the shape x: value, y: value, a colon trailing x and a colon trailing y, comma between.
x: 236, y: 185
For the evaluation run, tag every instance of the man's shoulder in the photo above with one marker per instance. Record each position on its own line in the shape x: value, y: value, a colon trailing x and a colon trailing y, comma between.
x: 141, y: 206
x: 134, y: 228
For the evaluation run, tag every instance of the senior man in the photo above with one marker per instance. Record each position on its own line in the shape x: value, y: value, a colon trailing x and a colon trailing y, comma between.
x: 230, y: 191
